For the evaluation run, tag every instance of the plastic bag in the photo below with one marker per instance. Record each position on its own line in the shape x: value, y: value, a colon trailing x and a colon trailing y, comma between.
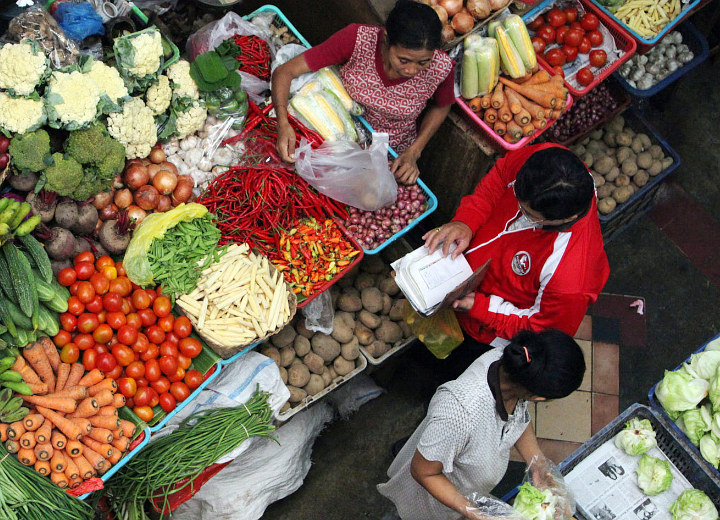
x: 285, y: 54
x: 545, y: 475
x: 440, y: 333
x: 153, y: 226
x: 214, y: 33
x: 79, y: 20
x: 488, y: 508
x: 36, y: 23
x: 319, y: 313
x: 343, y: 171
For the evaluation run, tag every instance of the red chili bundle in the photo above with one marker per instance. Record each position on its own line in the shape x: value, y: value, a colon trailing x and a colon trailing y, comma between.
x: 254, y: 56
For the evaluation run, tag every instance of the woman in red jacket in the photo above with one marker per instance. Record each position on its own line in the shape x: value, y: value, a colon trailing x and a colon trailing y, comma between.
x: 534, y: 215
x: 392, y: 72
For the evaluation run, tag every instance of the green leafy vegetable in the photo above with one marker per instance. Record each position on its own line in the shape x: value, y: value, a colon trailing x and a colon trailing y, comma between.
x: 693, y: 504
x: 637, y: 437
x: 653, y: 475
x: 679, y: 391
x: 534, y: 504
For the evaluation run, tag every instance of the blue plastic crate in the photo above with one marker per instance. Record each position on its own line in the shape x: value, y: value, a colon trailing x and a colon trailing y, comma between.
x: 272, y: 9
x: 697, y: 43
x: 234, y: 357
x: 655, y: 404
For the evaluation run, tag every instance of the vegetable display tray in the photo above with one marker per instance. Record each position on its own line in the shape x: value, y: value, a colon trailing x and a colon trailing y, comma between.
x: 397, y: 348
x: 623, y: 42
x: 279, y: 17
x: 655, y: 404
x: 645, y: 44
x: 697, y: 43
x: 643, y: 199
x: 360, y: 365
x: 669, y: 442
x: 144, y: 20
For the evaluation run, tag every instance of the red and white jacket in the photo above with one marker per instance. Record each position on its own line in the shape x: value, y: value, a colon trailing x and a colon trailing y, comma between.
x: 538, y: 278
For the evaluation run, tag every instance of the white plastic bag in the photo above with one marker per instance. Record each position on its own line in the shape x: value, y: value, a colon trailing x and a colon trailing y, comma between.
x: 214, y: 33
x: 319, y: 313
x: 343, y: 171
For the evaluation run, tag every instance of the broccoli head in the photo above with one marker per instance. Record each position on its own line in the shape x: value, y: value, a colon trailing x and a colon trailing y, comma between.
x: 93, y: 147
x: 64, y: 175
x: 29, y: 152
x: 89, y: 189
x: 114, y: 160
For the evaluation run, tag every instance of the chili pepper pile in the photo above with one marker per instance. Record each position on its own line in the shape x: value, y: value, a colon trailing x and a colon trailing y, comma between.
x: 312, y: 253
x: 253, y: 55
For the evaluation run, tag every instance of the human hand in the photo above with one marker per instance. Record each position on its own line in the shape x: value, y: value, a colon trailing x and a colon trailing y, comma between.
x: 455, y: 232
x: 405, y: 168
x: 285, y: 143
x: 465, y: 303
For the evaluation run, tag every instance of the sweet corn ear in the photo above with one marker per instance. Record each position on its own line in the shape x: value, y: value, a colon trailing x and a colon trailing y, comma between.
x: 518, y: 33
x: 510, y: 59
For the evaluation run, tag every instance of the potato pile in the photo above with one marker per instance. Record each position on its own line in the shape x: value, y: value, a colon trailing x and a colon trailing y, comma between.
x: 368, y: 317
x: 621, y: 161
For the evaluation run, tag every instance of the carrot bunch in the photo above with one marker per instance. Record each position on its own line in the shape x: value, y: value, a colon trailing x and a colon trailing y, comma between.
x: 73, y: 431
x: 515, y: 110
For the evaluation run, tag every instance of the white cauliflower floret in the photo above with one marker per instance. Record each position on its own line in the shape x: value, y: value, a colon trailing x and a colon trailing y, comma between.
x: 72, y: 99
x: 20, y: 115
x: 147, y: 53
x: 191, y: 120
x: 134, y: 127
x: 183, y: 84
x: 22, y: 67
x: 108, y: 81
x: 159, y: 95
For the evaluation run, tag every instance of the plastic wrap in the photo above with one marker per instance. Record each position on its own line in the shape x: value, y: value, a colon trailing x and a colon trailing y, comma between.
x: 319, y: 313
x: 36, y: 23
x: 490, y: 508
x: 545, y: 475
x: 440, y: 333
x: 214, y: 33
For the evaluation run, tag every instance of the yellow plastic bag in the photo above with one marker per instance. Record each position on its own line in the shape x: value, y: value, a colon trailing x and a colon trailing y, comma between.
x: 153, y: 226
x: 441, y: 332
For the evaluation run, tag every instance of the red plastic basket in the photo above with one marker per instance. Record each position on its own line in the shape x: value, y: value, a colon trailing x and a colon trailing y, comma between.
x: 623, y: 41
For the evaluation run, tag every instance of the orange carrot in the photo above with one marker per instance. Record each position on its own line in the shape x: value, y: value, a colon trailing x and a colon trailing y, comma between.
x: 71, y: 469
x: 59, y: 479
x: 38, y: 360
x: 115, y: 457
x: 3, y: 431
x: 541, y: 76
x: 26, y: 456
x: 51, y: 353
x: 75, y: 482
x: 58, y: 461
x: 523, y: 117
x: 29, y: 375
x: 42, y: 434
x: 76, y: 392
x: 102, y: 448
x: 528, y: 129
x: 106, y: 384
x: 101, y: 435
x: 63, y: 372
x: 42, y: 467
x: 514, y: 132
x: 61, y: 404
x: 108, y: 411
x: 27, y: 440
x: 96, y: 460
x: 67, y: 426
x: 104, y: 397
x: 91, y: 378
x: 500, y: 127
x: 44, y: 451
x: 490, y: 116
x: 512, y: 97
x: 535, y: 110
x: 33, y: 421
x: 560, y: 92
x: 86, y: 408
x: 85, y: 468
x: 16, y: 430
x: 544, y: 99
x: 76, y: 372
x: 497, y: 99
x: 74, y: 448
x: 121, y: 443
x: 38, y: 388
x: 504, y: 113
x: 12, y: 446
x: 128, y: 428
x: 82, y: 423
x: 475, y: 104
x: 58, y: 440
x: 556, y: 114
x: 117, y: 433
x: 485, y: 101
x: 539, y: 123
x: 119, y: 400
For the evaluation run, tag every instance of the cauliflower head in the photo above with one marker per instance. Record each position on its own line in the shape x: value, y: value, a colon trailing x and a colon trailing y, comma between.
x: 64, y: 175
x: 21, y: 115
x: 159, y: 95
x: 23, y: 66
x: 140, y: 54
x: 182, y: 83
x: 109, y: 83
x: 72, y: 100
x: 190, y: 121
x: 134, y: 127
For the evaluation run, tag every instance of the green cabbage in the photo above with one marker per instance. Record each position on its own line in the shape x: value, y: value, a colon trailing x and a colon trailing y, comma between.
x: 694, y: 424
x: 534, y: 504
x: 714, y: 390
x: 653, y: 475
x: 705, y: 363
x: 709, y: 449
x: 693, y: 504
x: 637, y: 437
x: 678, y: 391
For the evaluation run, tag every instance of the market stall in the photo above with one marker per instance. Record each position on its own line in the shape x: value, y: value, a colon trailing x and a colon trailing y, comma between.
x: 151, y: 236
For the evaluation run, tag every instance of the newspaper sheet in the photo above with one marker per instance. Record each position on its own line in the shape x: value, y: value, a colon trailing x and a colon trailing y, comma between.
x: 605, y: 486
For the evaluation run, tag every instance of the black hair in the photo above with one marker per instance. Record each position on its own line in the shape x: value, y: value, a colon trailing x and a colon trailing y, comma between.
x: 414, y: 26
x: 552, y: 367
x: 556, y: 183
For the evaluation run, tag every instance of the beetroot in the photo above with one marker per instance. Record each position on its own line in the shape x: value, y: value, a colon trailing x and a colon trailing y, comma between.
x: 66, y: 214
x: 59, y: 242
x: 114, y: 234
x: 43, y: 204
x: 23, y: 181
x: 87, y: 217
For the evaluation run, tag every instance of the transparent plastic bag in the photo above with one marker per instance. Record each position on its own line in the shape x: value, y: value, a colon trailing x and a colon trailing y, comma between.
x: 440, y: 333
x: 343, y: 171
x: 489, y: 508
x: 542, y: 473
x: 319, y: 313
x: 214, y: 33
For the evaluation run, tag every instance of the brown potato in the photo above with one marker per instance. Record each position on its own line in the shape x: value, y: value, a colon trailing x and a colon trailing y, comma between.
x: 349, y: 303
x: 350, y: 350
x: 372, y: 299
x: 298, y: 375
x: 271, y: 352
x: 370, y: 320
x: 301, y: 345
x: 315, y: 363
x: 315, y: 385
x: 388, y: 286
x: 389, y: 332
x: 284, y: 337
x: 397, y: 311
x: 343, y: 366
x: 325, y: 346
x: 341, y: 332
x: 364, y: 335
x: 287, y: 354
x: 296, y: 394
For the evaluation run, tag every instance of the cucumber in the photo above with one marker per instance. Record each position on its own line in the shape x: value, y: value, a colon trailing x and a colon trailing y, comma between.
x: 6, y: 317
x: 21, y: 275
x: 57, y: 304
x: 37, y: 251
x: 45, y: 290
x: 50, y: 321
x: 5, y: 280
x: 19, y: 318
x: 63, y: 291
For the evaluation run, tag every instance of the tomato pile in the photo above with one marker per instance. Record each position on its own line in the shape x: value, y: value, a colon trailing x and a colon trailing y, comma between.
x: 129, y: 333
x: 574, y: 34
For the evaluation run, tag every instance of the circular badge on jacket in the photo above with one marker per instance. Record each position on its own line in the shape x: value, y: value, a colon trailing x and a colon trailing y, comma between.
x: 521, y: 263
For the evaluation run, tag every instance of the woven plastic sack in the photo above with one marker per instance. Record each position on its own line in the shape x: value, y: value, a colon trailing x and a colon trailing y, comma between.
x: 440, y: 333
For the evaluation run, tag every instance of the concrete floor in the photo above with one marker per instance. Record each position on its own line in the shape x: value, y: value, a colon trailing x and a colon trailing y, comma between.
x: 351, y: 456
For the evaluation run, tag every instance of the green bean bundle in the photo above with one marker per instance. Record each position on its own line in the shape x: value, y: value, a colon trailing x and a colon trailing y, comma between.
x: 198, y: 442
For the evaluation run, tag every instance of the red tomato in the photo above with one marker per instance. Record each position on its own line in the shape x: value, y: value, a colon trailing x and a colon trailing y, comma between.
x: 85, y: 270
x: 62, y: 338
x: 104, y: 261
x: 127, y: 386
x: 85, y: 292
x: 172, y: 338
x: 102, y: 316
x: 154, y: 397
x: 166, y: 323
x: 133, y: 319
x: 539, y: 46
x: 69, y: 353
x: 585, y: 76
x: 84, y: 341
x: 573, y: 37
x: 95, y: 305
x: 89, y: 359
x: 184, y: 362
x: 570, y: 52
x: 547, y: 33
x: 116, y: 319
x: 168, y: 349
x: 115, y: 373
x: 145, y: 413
x: 130, y: 402
x: 85, y: 256
x: 141, y: 299
x: 106, y: 362
x: 555, y: 57
x: 136, y: 369
x: 141, y: 344
x: 193, y: 378
x: 112, y: 302
x: 161, y: 306
x: 152, y: 370
x: 87, y: 322
x: 120, y: 269
x: 103, y: 334
x: 584, y: 46
x: 100, y: 283
x: 598, y: 57
x: 75, y: 306
x: 127, y: 335
x: 67, y: 276
x: 143, y: 396
x: 177, y: 376
x: 123, y: 354
x: 68, y: 322
x: 167, y: 402
x: 151, y: 352
x: 190, y: 347
x: 168, y: 365
x: 560, y: 33
x: 153, y: 294
x: 109, y: 272
x: 106, y: 348
x: 155, y: 334
x: 182, y: 327
x: 119, y: 286
x: 179, y: 390
x: 556, y: 17
x: 141, y: 381
x: 589, y: 22
x: 577, y: 25
x: 127, y: 306
x: 538, y: 22
x: 595, y: 37
x: 161, y: 385
x: 571, y: 13
x: 147, y: 317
